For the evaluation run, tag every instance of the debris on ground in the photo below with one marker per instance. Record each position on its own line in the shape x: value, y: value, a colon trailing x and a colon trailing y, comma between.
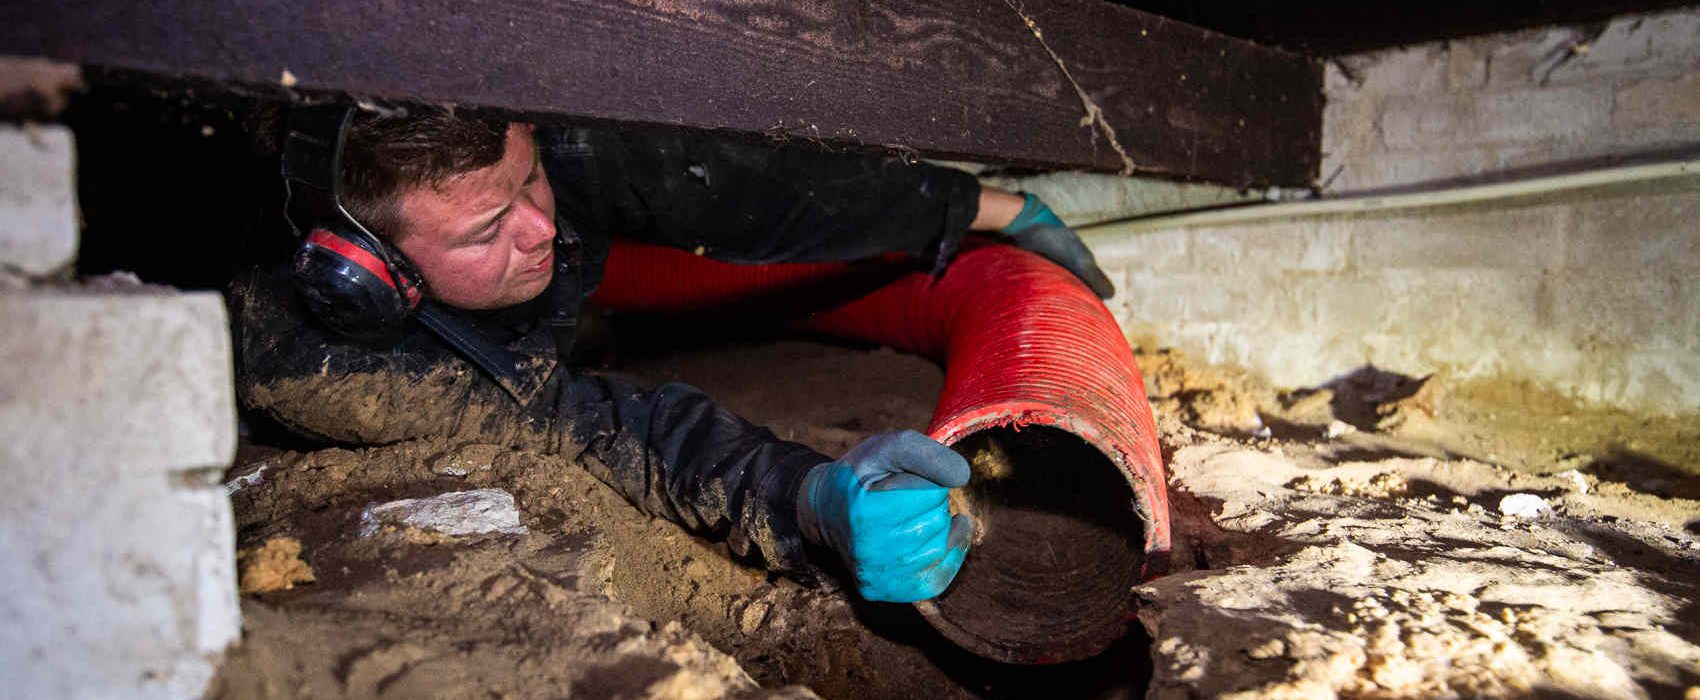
x: 273, y: 566
x: 467, y: 459
x: 1313, y: 593
x: 1523, y: 505
x: 456, y: 514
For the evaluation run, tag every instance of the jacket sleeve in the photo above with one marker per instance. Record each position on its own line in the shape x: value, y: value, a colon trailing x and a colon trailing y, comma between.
x: 671, y: 451
x: 677, y: 455
x: 751, y: 202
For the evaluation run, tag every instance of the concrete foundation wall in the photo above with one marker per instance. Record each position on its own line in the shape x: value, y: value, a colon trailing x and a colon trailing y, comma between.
x: 117, y: 418
x: 1521, y: 101
x: 1595, y: 294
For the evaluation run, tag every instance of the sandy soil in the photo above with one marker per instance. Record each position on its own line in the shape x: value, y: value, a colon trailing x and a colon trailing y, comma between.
x: 1356, y: 551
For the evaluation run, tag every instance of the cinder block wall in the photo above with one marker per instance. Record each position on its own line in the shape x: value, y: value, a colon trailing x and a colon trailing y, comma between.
x: 117, y: 418
x: 1523, y: 101
x: 1593, y: 293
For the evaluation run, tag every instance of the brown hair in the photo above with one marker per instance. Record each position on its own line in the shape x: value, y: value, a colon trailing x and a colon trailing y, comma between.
x: 385, y: 154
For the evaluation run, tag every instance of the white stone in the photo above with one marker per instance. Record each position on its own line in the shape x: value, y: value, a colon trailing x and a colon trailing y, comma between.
x: 1577, y: 480
x: 476, y: 512
x: 117, y: 571
x: 1337, y: 429
x: 116, y: 381
x: 38, y: 199
x: 1524, y: 505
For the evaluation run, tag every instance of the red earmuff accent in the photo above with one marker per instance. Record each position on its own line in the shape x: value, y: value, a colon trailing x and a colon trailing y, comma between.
x: 365, y: 259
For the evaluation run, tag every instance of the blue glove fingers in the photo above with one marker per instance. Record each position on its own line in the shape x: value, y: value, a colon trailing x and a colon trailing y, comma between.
x: 885, y: 509
x: 907, y: 452
x: 895, y: 520
x: 903, y: 482
x: 937, y: 577
x: 1061, y: 245
x: 1039, y: 230
x: 1034, y: 212
x: 923, y: 573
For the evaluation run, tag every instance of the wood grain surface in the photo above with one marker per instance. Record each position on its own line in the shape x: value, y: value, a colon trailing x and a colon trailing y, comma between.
x: 947, y: 78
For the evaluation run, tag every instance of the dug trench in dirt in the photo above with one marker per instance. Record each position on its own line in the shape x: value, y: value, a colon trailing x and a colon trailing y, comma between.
x: 1324, y: 563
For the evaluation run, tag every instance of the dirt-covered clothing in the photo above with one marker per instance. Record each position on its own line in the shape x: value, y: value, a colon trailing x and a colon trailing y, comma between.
x: 670, y: 450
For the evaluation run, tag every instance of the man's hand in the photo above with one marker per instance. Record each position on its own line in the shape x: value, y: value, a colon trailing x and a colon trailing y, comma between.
x: 883, y: 508
x: 1038, y: 230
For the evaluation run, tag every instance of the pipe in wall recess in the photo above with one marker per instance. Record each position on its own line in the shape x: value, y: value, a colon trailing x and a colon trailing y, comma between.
x: 1041, y: 393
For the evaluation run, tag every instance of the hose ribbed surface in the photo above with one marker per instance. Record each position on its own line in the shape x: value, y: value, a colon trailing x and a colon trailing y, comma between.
x: 1023, y: 343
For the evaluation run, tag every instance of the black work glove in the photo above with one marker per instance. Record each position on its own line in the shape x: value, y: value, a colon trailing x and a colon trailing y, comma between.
x: 1038, y: 230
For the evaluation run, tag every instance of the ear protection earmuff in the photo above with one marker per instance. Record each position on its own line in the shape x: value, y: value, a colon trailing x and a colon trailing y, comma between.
x: 355, y: 282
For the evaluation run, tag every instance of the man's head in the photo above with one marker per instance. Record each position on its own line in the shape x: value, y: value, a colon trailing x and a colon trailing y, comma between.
x: 464, y: 199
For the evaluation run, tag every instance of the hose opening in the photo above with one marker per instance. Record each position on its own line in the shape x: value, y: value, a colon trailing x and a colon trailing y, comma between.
x: 1058, y: 549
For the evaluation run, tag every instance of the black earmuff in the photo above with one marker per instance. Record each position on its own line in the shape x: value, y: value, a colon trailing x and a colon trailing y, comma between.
x: 356, y: 283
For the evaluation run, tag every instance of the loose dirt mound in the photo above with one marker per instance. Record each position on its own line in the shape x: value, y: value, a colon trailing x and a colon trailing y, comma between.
x: 1320, y: 561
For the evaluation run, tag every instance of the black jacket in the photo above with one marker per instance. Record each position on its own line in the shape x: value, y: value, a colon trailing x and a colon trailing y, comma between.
x: 671, y: 450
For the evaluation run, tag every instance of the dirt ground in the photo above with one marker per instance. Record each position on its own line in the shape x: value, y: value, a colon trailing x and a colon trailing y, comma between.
x: 1340, y: 541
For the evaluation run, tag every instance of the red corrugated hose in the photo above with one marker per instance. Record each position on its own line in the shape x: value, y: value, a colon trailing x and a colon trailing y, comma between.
x: 1041, y: 391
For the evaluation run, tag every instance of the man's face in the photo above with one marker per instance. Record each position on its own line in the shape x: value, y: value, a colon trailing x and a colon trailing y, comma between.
x: 483, y: 239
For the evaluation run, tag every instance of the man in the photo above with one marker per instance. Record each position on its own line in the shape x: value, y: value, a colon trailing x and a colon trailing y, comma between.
x: 508, y: 226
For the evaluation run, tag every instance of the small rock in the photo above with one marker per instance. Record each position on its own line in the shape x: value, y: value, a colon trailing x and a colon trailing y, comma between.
x: 1578, y: 481
x: 1338, y: 428
x: 253, y: 478
x: 1272, y: 649
x: 466, y: 459
x: 1524, y: 505
x: 754, y: 614
x: 476, y: 512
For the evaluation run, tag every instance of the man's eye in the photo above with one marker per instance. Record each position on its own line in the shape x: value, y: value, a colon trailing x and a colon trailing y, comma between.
x: 487, y: 237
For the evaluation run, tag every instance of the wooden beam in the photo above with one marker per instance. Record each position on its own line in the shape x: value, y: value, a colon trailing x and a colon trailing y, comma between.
x: 971, y: 79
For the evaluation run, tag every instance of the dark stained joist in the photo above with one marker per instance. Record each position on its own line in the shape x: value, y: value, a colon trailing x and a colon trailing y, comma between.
x: 964, y: 79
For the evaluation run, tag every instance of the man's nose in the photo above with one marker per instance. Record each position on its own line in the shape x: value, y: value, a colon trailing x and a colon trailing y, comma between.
x: 536, y: 227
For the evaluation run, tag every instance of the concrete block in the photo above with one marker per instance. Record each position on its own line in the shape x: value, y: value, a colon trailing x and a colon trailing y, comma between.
x: 117, y: 572
x: 1663, y: 380
x: 1648, y: 311
x: 1382, y: 170
x: 1513, y: 238
x: 1644, y: 231
x: 1310, y: 244
x: 1155, y: 250
x: 1249, y: 299
x: 38, y: 203
x: 1645, y: 44
x: 1539, y: 114
x: 113, y: 584
x: 1523, y: 59
x: 1414, y: 70
x: 1424, y: 122
x: 1671, y: 102
x: 1336, y: 82
x: 136, y: 381
x: 1153, y: 298
x: 1466, y: 65
x: 1348, y: 305
x: 1349, y: 129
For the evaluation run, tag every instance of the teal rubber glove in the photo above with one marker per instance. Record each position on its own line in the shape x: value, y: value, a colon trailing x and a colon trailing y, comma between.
x: 1037, y: 229
x: 884, y: 509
